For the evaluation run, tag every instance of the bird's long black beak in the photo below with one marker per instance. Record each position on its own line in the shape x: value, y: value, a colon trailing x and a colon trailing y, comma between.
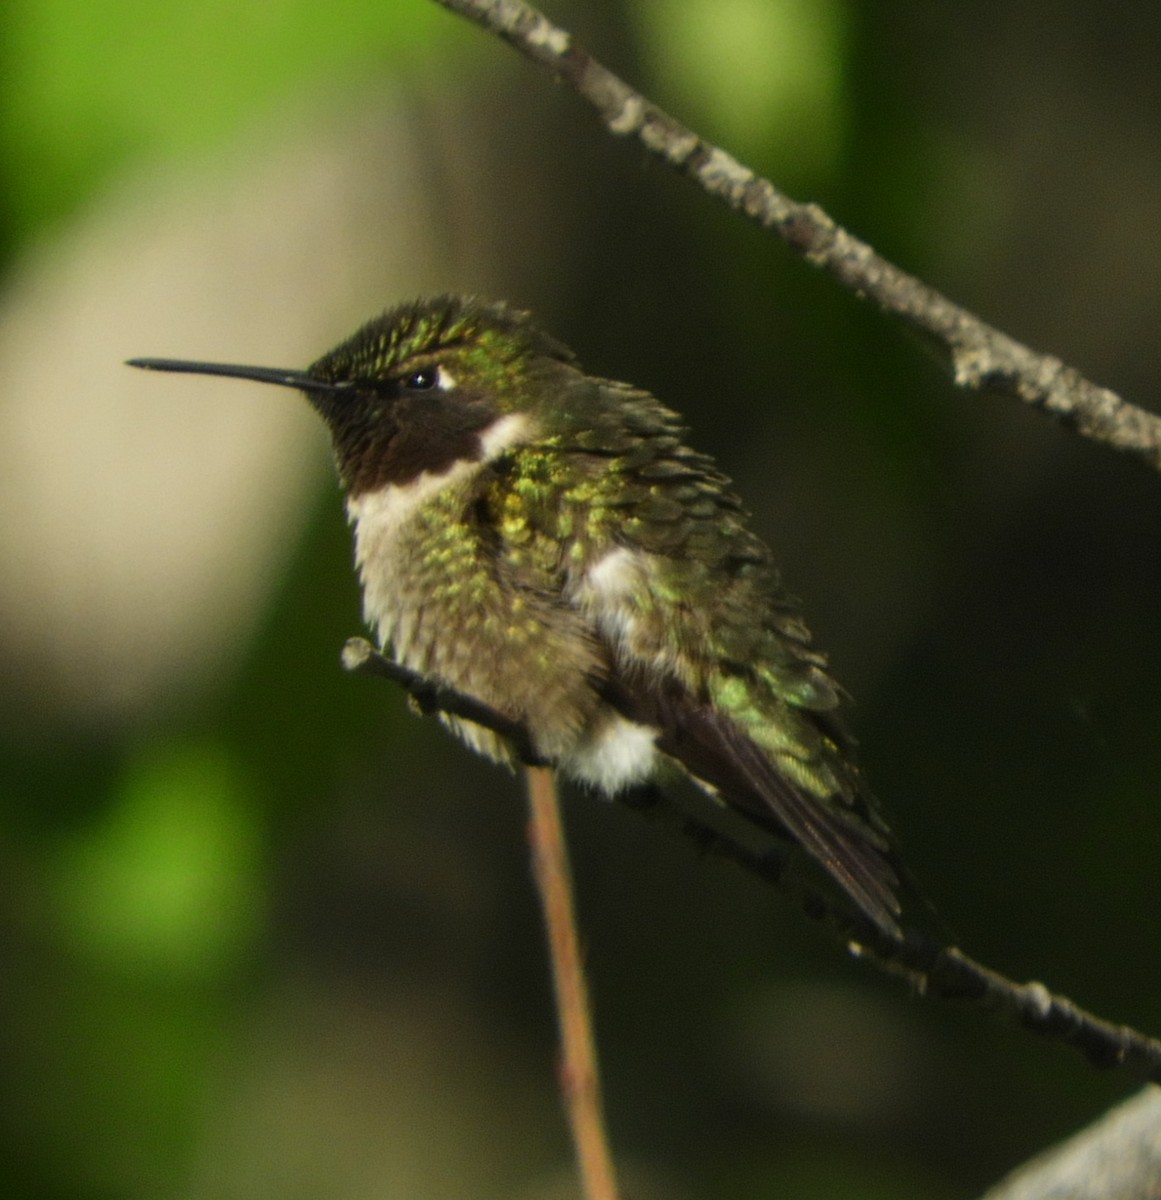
x: 294, y: 379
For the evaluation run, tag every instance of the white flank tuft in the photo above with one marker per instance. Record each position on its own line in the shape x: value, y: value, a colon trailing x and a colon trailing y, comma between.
x: 606, y: 592
x: 621, y: 755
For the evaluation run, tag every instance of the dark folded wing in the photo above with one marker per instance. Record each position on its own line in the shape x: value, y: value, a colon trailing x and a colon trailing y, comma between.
x: 840, y: 833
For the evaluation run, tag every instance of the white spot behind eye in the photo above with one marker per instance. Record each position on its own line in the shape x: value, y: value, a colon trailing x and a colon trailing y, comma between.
x: 445, y: 379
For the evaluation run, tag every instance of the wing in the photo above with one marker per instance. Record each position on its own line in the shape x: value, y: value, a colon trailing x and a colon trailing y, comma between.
x: 707, y: 647
x: 840, y: 835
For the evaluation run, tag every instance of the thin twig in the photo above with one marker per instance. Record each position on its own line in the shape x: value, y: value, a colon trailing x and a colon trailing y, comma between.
x: 579, y: 1080
x: 931, y: 968
x: 979, y: 356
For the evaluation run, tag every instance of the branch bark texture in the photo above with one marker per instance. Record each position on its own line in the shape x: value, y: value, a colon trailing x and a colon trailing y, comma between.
x: 978, y: 356
x: 1115, y: 1158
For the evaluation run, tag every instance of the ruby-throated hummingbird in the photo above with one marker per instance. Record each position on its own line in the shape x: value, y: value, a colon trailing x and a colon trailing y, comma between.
x: 544, y: 541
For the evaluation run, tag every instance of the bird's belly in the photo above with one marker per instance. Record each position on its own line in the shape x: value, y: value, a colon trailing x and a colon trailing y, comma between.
x: 531, y: 659
x: 440, y: 608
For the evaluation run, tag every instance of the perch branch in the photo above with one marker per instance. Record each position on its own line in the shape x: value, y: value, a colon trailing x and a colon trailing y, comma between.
x: 930, y: 967
x: 430, y: 697
x: 978, y: 356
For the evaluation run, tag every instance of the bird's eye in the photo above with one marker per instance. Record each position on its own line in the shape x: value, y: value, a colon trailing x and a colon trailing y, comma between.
x: 422, y: 380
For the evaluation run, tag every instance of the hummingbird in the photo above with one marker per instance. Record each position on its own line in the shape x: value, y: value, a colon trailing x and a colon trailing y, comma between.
x: 544, y: 540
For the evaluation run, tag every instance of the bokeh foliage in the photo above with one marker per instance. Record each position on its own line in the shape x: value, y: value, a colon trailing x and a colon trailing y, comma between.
x: 272, y: 890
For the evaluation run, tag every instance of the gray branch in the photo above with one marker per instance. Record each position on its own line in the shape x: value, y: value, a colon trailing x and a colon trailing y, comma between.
x: 978, y: 356
x: 1115, y: 1158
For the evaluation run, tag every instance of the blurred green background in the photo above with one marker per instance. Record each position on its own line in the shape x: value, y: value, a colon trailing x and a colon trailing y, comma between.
x: 264, y: 932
